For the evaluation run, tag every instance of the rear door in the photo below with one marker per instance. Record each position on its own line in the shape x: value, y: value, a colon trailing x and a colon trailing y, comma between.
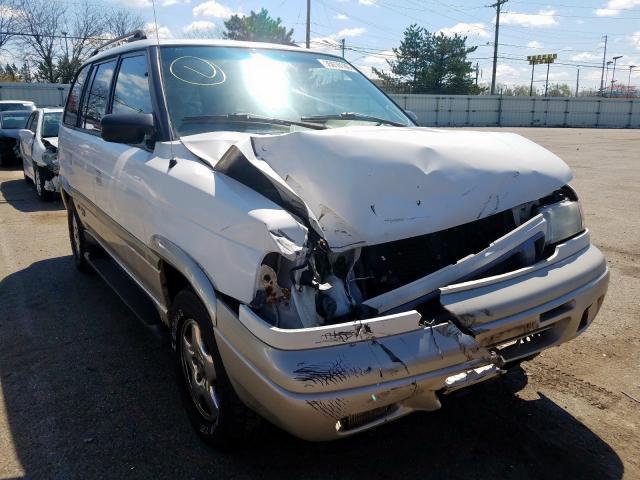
x: 73, y: 168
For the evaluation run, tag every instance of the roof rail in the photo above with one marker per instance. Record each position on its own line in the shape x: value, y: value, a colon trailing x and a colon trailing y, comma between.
x: 127, y: 37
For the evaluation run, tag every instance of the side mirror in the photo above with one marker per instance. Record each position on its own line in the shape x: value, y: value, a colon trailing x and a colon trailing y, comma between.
x: 412, y: 115
x: 128, y: 128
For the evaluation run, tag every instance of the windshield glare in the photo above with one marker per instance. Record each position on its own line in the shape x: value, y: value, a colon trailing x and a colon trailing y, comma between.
x: 14, y: 120
x: 51, y: 124
x: 204, y: 83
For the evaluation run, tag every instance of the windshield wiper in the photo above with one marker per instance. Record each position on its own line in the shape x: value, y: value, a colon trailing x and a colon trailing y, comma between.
x: 351, y: 116
x: 250, y: 118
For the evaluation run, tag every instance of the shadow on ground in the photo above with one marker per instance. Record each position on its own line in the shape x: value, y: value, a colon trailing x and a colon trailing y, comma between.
x: 21, y: 195
x: 90, y: 393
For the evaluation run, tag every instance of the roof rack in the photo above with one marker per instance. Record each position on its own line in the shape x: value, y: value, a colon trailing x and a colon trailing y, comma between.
x: 127, y: 37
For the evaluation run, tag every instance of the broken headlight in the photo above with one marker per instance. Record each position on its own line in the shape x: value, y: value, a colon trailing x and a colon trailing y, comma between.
x: 564, y: 220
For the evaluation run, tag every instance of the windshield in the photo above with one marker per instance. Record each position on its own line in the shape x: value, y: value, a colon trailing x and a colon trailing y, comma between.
x: 206, y: 84
x: 15, y: 106
x: 14, y: 120
x: 50, y: 124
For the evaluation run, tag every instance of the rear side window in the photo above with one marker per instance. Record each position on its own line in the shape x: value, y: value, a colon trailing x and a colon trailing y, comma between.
x: 132, y: 87
x: 73, y: 100
x: 95, y: 104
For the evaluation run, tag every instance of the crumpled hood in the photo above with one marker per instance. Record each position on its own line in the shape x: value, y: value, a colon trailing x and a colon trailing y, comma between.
x: 370, y: 185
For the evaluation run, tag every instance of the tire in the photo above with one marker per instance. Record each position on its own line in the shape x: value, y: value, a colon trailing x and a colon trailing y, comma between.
x: 39, y: 181
x: 214, y: 409
x: 78, y: 241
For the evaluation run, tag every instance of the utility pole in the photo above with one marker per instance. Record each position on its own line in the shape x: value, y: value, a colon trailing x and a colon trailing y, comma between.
x: 613, y: 76
x: 497, y: 6
x: 577, y: 81
x: 308, y: 23
x: 478, y: 71
x: 342, y: 45
x: 66, y: 46
x: 631, y: 67
x: 604, y: 59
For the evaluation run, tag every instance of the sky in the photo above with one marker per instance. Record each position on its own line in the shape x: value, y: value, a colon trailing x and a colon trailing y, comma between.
x: 573, y: 29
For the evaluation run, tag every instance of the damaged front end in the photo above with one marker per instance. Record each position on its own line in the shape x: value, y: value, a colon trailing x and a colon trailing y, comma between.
x: 347, y: 331
x: 52, y: 167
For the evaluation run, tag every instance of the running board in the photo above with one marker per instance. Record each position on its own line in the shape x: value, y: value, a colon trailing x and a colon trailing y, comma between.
x: 126, y: 288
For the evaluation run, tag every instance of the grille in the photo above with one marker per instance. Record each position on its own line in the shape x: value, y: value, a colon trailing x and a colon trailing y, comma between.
x: 385, y: 267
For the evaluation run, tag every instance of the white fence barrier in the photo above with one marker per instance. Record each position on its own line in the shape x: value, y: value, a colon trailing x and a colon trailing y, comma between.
x: 483, y: 110
x: 42, y: 94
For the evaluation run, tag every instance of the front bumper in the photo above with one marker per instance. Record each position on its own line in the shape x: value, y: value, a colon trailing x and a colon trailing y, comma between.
x: 330, y: 391
x: 51, y: 180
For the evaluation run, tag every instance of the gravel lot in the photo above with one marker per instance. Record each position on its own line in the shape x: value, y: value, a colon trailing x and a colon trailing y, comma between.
x: 87, y: 392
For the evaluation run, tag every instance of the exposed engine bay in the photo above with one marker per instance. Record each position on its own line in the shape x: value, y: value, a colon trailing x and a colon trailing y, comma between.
x: 325, y: 287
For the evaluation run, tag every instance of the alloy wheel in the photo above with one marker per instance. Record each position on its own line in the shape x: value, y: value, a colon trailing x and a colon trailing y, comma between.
x: 36, y: 175
x: 76, y: 236
x: 199, y: 370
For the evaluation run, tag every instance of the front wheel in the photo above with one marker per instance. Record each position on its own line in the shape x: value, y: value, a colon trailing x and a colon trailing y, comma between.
x: 78, y: 241
x: 214, y: 409
x: 39, y: 180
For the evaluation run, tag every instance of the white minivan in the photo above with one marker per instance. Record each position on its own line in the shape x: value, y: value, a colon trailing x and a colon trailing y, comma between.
x: 320, y: 260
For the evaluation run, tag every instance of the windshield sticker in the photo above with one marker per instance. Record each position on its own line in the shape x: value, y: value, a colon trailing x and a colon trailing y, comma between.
x: 197, y: 71
x: 336, y: 65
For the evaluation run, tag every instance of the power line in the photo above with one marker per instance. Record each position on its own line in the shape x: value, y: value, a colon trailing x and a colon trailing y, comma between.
x: 70, y: 37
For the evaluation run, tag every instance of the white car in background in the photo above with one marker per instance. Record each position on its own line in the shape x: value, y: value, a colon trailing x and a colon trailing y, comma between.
x: 39, y: 151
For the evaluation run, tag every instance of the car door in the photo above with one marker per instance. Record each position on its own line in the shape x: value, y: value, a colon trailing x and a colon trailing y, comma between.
x: 124, y: 192
x: 37, y: 147
x: 27, y: 136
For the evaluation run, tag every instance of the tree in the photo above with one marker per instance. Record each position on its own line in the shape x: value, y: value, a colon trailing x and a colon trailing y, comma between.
x: 25, y: 73
x: 429, y: 63
x: 9, y: 16
x: 122, y: 21
x: 41, y: 20
x: 257, y: 27
x: 562, y: 90
x: 84, y: 31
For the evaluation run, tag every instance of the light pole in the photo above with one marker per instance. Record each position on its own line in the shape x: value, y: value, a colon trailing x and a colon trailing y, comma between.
x: 606, y: 78
x: 631, y: 67
x: 613, y: 75
x: 534, y: 60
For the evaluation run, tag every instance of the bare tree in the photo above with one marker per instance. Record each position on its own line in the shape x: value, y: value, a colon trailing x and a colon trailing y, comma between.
x: 40, y: 22
x: 83, y: 31
x: 9, y: 16
x: 121, y: 21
